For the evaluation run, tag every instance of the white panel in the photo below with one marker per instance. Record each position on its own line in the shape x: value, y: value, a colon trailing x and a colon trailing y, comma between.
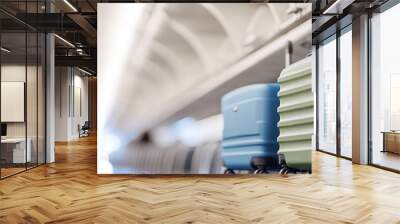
x: 12, y: 101
x: 77, y: 112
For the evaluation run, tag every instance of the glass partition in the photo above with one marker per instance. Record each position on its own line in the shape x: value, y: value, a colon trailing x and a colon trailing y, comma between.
x: 41, y: 107
x: 23, y: 91
x: 385, y: 89
x: 327, y: 95
x: 346, y: 93
x: 32, y: 95
x: 15, y: 150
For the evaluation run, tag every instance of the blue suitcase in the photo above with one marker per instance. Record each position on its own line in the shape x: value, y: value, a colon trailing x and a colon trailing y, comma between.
x: 251, y: 128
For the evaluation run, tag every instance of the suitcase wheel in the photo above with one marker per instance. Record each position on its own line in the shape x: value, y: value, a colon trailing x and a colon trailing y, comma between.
x: 284, y: 172
x: 260, y: 171
x: 229, y: 171
x: 285, y: 169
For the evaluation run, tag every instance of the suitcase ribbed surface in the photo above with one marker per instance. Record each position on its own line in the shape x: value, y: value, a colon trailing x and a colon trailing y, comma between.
x: 250, y: 127
x: 296, y: 113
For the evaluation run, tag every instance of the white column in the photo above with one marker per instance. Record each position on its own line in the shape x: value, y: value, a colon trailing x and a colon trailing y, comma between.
x: 360, y: 90
x: 50, y: 99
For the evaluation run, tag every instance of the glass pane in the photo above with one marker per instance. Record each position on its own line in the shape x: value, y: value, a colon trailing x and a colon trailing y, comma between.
x: 386, y: 89
x: 327, y: 96
x: 13, y: 86
x: 41, y: 99
x: 346, y: 94
x: 32, y: 96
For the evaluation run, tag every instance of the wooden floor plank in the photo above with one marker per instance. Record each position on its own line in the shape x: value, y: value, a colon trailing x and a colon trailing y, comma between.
x: 70, y: 191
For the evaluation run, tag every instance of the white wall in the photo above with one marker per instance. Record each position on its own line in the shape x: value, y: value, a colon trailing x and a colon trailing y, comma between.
x: 62, y: 81
x: 70, y: 83
x: 16, y: 73
x: 34, y: 125
x: 12, y: 73
x: 80, y: 109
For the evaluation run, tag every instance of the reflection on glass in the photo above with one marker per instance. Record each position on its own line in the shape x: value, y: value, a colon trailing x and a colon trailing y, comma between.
x: 385, y: 89
x: 346, y: 94
x: 22, y: 91
x: 41, y: 98
x: 31, y: 100
x: 15, y: 151
x: 327, y: 96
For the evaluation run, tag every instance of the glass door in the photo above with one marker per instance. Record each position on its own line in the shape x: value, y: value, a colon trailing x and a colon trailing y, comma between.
x: 41, y: 107
x: 14, y: 153
x: 327, y: 95
x: 32, y: 98
x: 334, y: 58
x: 22, y: 78
x: 345, y: 58
x: 385, y: 89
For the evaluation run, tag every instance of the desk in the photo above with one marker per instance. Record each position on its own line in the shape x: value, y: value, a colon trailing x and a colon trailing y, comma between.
x: 15, y: 148
x: 391, y: 141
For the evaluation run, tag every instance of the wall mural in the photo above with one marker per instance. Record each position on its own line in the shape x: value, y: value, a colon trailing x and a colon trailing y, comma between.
x: 204, y: 88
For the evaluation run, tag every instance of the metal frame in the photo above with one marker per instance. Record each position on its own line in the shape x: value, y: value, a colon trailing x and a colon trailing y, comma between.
x: 385, y: 168
x: 26, y: 90
x: 316, y: 97
x: 339, y: 32
x: 338, y: 98
x: 369, y: 78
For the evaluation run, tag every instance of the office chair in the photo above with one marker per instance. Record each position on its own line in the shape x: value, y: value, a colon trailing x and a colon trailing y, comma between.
x: 84, y: 130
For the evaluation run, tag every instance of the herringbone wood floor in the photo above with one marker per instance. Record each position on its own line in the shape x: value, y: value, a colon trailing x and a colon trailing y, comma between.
x: 69, y: 191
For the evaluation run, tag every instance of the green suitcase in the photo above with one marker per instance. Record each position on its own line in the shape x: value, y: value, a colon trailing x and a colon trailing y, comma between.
x: 296, y: 111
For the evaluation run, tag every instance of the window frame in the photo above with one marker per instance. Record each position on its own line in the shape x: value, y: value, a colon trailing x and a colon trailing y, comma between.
x: 381, y: 9
x: 333, y: 37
